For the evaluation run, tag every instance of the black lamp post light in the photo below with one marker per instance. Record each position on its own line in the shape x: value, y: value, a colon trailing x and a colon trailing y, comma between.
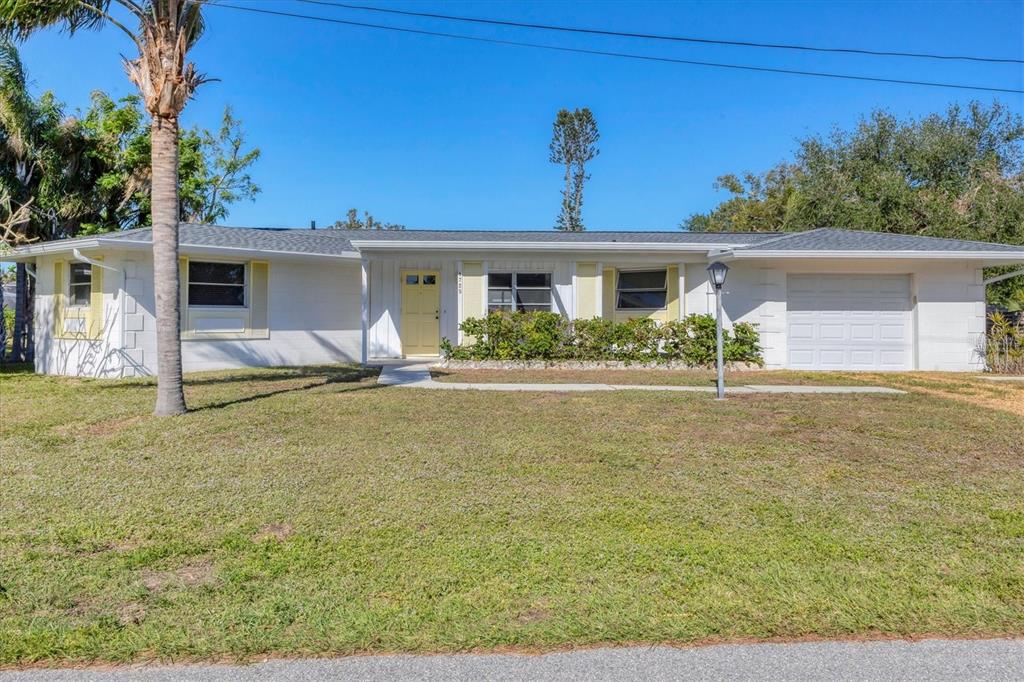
x: 717, y: 271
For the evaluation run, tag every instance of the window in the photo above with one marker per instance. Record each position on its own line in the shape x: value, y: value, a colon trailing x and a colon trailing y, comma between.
x: 216, y: 284
x: 81, y: 284
x: 518, y: 291
x: 641, y: 290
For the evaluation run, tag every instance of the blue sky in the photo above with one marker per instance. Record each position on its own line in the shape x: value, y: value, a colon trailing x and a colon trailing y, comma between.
x: 437, y: 133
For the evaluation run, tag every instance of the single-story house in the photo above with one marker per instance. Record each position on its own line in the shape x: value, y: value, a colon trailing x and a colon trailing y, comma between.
x: 821, y: 299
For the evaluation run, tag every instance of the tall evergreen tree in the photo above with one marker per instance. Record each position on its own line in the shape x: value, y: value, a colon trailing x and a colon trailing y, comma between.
x: 573, y: 144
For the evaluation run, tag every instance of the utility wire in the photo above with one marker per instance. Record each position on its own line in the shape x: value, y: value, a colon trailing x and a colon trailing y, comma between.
x: 623, y: 55
x: 655, y: 36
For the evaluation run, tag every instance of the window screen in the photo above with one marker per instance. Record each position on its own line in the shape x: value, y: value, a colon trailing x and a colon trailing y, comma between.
x: 81, y: 284
x: 216, y: 284
x: 518, y: 291
x: 641, y: 290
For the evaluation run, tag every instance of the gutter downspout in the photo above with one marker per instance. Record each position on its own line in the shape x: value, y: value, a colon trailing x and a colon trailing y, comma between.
x: 365, y: 304
x: 1000, y: 278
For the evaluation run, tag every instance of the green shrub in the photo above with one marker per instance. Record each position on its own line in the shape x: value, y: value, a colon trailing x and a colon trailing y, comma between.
x: 549, y: 336
x: 1004, y: 345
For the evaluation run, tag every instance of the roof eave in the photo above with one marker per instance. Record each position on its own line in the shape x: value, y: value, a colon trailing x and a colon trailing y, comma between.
x: 997, y: 256
x: 28, y: 252
x: 31, y: 251
x: 208, y: 250
x: 433, y: 245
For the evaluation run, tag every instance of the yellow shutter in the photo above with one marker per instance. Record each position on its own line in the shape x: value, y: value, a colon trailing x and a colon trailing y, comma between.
x: 608, y: 294
x: 672, y: 306
x: 94, y: 319
x: 58, y: 298
x: 474, y: 294
x: 587, y: 290
x: 259, y: 279
x: 474, y: 290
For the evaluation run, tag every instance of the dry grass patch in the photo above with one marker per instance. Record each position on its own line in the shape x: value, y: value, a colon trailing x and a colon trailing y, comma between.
x: 967, y: 387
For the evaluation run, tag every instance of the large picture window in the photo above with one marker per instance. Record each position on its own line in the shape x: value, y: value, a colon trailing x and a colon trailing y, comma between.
x: 81, y: 284
x: 216, y: 284
x: 518, y: 291
x: 641, y: 290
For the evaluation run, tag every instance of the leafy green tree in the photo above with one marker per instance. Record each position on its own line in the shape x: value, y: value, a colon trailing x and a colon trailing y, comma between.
x: 213, y: 167
x: 214, y: 171
x: 353, y: 222
x: 958, y: 174
x: 573, y: 144
x: 119, y: 152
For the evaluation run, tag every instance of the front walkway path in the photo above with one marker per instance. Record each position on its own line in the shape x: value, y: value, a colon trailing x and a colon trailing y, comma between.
x: 416, y: 374
x: 995, y: 660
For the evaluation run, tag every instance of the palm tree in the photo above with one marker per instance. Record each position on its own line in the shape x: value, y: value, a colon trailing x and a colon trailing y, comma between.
x: 167, y: 29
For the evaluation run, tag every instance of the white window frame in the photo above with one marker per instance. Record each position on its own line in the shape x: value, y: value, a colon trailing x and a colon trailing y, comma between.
x: 514, y: 274
x: 246, y: 276
x: 72, y: 285
x: 619, y: 289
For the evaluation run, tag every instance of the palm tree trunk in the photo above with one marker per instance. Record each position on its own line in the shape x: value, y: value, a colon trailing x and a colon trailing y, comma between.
x: 170, y: 398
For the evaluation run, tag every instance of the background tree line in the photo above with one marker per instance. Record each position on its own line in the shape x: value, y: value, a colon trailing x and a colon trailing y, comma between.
x: 956, y: 174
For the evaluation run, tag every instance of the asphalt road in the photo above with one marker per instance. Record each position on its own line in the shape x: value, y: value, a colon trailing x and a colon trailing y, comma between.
x: 929, y: 660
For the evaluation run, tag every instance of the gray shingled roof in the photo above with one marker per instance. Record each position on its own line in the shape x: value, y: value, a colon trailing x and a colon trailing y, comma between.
x: 834, y: 239
x: 339, y: 242
x: 557, y: 237
x: 329, y: 242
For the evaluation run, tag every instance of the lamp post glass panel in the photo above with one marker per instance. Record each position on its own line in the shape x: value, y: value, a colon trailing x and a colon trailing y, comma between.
x: 717, y: 271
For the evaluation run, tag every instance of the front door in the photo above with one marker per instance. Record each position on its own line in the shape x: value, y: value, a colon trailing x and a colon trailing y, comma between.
x: 421, y: 312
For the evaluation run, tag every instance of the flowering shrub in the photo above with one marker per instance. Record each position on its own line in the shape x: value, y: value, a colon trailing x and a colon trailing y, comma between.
x: 549, y: 336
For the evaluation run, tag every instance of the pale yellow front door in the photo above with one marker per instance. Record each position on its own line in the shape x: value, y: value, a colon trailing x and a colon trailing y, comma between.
x: 421, y: 312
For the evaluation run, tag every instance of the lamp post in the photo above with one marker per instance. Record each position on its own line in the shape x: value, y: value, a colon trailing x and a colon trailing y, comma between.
x: 717, y: 271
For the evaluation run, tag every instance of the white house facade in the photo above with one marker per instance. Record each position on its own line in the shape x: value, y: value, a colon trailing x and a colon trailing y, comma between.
x: 824, y: 299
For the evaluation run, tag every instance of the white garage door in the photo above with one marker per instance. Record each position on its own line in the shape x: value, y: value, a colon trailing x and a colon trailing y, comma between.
x: 849, y: 322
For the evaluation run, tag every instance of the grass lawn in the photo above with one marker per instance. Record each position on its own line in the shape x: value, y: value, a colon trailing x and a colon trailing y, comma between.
x: 302, y: 512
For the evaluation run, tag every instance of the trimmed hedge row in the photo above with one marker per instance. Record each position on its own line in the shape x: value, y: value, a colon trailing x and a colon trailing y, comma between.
x: 545, y: 335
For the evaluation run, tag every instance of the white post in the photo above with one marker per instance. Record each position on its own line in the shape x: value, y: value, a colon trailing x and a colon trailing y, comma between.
x: 365, y: 302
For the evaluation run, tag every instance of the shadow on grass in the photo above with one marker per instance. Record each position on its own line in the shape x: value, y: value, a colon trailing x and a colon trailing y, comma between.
x: 15, y: 368
x: 334, y: 374
x: 335, y: 378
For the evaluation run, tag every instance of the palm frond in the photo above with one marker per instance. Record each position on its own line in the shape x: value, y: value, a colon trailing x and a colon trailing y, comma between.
x: 19, y: 18
x: 12, y: 72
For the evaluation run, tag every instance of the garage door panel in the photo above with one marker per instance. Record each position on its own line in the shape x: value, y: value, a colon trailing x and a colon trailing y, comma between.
x: 862, y: 359
x: 849, y: 322
x: 832, y: 357
x: 894, y: 360
x: 892, y: 332
x: 863, y: 332
x: 832, y: 332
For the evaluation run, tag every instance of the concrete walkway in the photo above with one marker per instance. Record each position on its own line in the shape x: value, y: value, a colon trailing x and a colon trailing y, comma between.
x: 939, y: 660
x: 414, y: 374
